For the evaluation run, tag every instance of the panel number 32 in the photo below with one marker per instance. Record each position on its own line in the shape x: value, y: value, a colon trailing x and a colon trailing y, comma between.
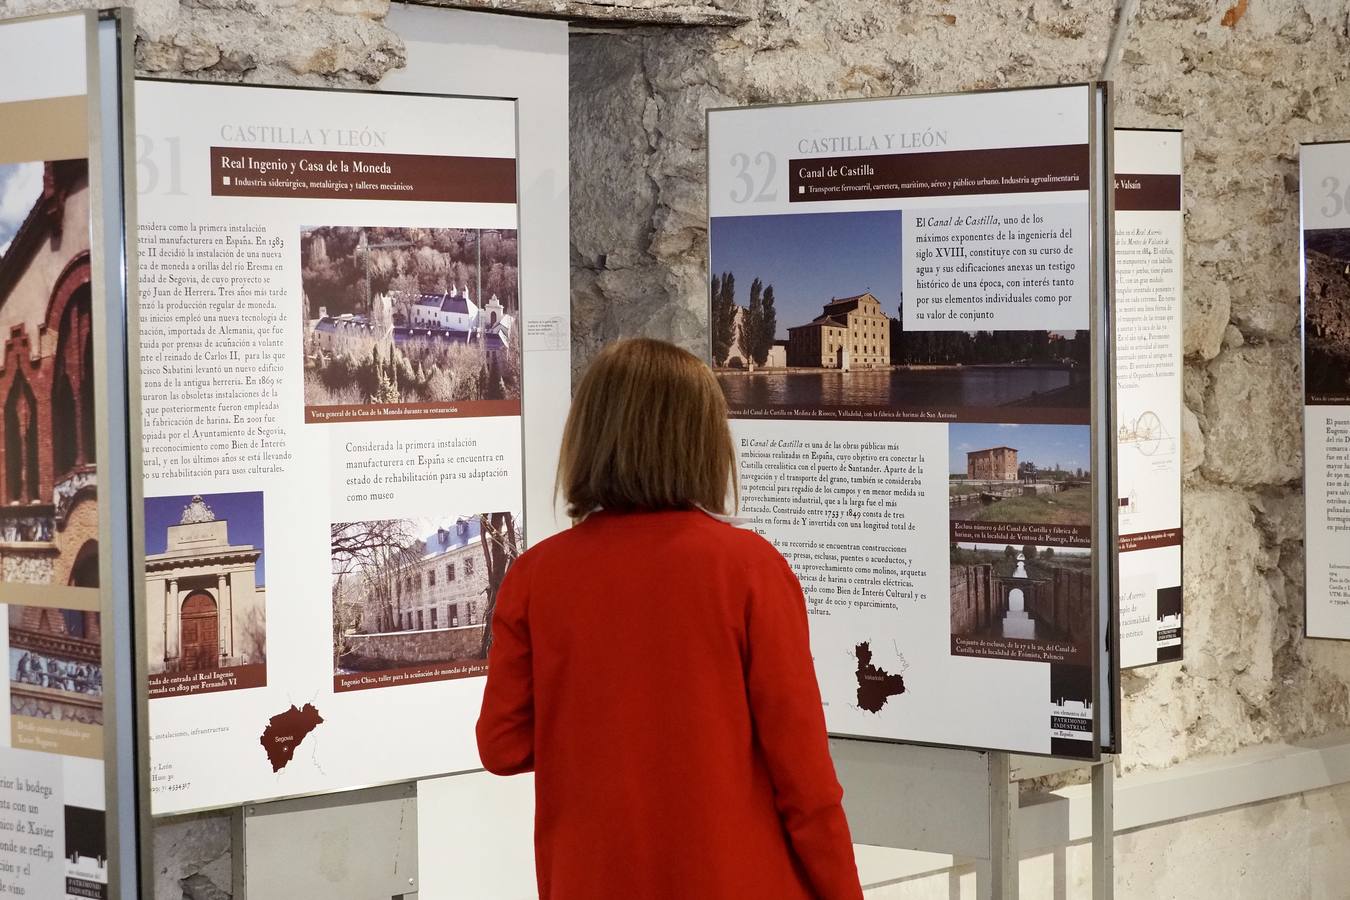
x: 753, y: 177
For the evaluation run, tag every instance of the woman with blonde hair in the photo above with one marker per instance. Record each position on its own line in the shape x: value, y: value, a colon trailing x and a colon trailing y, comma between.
x: 651, y: 665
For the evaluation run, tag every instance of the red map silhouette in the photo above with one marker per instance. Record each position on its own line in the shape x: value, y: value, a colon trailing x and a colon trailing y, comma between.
x: 286, y: 730
x: 875, y: 685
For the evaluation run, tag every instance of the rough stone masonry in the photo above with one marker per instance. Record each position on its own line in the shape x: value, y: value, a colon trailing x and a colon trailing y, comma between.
x: 1247, y: 84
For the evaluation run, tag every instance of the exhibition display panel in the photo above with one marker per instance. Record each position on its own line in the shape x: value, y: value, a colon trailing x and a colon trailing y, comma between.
x: 63, y: 462
x: 908, y: 321
x: 330, y: 376
x: 948, y: 329
x: 1147, y: 318
x: 1324, y: 171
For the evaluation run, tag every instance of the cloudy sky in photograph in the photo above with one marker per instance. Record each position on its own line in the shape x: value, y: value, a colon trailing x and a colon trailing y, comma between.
x: 20, y: 185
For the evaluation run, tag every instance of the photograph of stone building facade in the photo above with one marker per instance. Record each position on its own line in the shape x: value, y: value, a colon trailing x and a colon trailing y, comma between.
x: 1326, y: 328
x: 48, y: 480
x: 205, y: 587
x: 418, y: 593
x: 55, y: 667
x: 850, y: 332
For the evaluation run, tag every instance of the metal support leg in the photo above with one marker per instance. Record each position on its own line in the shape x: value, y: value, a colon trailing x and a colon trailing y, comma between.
x: 997, y: 879
x: 1103, y: 829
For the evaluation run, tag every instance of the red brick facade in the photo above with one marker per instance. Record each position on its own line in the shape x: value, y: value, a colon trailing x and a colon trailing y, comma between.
x: 48, y: 488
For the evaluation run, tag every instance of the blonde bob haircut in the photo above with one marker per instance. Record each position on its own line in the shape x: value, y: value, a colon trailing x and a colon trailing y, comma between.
x: 647, y: 431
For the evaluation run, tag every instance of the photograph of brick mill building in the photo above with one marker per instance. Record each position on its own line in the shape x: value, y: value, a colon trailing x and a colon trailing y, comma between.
x: 807, y: 316
x: 849, y: 332
x: 48, y: 479
x: 418, y: 593
x: 1026, y: 474
x: 992, y: 464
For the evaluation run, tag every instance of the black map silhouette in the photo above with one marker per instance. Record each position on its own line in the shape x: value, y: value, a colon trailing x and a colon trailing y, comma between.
x: 875, y: 686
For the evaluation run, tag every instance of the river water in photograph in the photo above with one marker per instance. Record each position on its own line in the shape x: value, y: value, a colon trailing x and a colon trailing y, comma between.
x: 951, y: 387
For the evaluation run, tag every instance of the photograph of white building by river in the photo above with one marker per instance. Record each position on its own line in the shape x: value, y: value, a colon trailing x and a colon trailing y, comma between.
x: 806, y: 321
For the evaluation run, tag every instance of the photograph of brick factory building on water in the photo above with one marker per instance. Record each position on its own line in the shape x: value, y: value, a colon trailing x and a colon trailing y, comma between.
x: 1025, y: 474
x: 807, y: 311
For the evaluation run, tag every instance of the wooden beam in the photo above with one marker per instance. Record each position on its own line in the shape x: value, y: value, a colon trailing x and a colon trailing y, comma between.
x: 694, y: 15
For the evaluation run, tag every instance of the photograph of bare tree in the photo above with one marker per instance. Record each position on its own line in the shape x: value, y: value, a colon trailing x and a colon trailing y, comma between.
x: 413, y: 598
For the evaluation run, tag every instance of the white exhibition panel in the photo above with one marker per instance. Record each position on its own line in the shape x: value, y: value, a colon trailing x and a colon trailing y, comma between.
x: 1324, y: 177
x: 285, y: 487
x: 919, y: 440
x: 462, y: 853
x: 54, y: 787
x: 536, y: 78
x: 1148, y: 309
x: 37, y: 61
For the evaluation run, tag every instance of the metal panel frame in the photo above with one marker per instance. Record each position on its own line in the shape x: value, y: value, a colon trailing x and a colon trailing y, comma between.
x: 111, y: 38
x: 1302, y: 369
x: 137, y: 512
x: 1105, y: 661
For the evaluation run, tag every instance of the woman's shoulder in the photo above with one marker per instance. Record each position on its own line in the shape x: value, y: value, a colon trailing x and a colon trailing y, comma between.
x: 741, y: 538
x: 713, y: 535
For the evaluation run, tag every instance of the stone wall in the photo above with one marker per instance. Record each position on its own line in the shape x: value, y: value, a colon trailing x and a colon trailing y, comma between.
x: 314, y: 42
x: 373, y: 652
x: 1247, y: 84
x: 1064, y: 601
x: 970, y: 588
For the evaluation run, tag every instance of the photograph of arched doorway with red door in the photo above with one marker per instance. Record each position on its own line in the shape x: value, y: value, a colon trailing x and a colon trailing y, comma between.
x: 48, y: 480
x: 205, y: 574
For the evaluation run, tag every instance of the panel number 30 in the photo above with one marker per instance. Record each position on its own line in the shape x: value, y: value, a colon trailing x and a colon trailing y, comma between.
x: 1337, y: 197
x: 754, y: 177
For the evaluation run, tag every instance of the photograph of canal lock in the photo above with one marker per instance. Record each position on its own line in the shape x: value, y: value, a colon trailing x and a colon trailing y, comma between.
x: 827, y: 487
x: 1021, y: 511
x: 1029, y: 602
x: 807, y: 313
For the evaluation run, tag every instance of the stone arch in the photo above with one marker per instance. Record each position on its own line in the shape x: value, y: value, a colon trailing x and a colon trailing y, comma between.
x: 76, y: 536
x: 198, y: 641
x: 70, y: 317
x: 84, y: 571
x: 75, y: 275
x: 21, y: 442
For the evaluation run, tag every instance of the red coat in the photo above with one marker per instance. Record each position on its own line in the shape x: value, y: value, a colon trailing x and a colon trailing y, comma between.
x: 653, y: 670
